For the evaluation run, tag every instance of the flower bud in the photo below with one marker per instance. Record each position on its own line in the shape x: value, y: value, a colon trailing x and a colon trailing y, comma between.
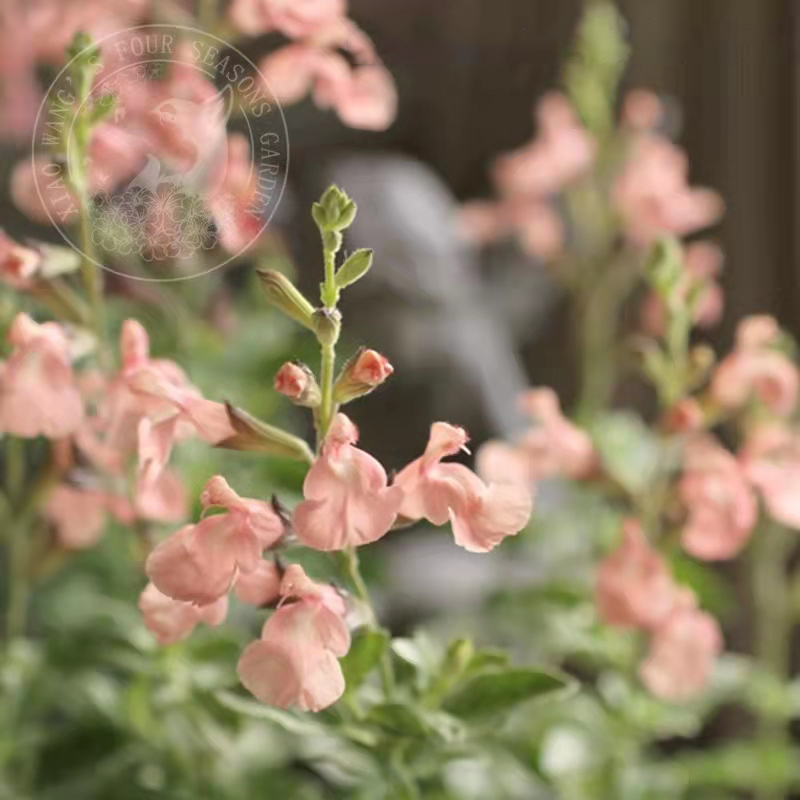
x: 335, y: 211
x: 327, y: 324
x: 284, y: 295
x: 365, y: 371
x: 296, y: 381
x: 254, y: 435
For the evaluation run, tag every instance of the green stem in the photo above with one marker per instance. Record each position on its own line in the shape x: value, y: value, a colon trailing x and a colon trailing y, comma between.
x: 327, y: 406
x: 90, y: 272
x: 773, y: 626
x: 18, y: 567
x: 351, y: 569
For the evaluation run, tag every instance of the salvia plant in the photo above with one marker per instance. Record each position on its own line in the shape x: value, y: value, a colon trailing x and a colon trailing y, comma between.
x: 255, y: 662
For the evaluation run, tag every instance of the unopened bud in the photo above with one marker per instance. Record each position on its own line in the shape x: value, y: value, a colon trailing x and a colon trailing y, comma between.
x: 296, y: 381
x: 284, y: 295
x: 335, y: 211
x: 365, y: 371
x: 327, y: 324
x: 254, y: 435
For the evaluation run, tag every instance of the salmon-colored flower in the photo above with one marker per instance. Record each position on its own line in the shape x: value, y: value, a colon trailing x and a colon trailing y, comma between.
x: 79, y: 515
x: 200, y: 563
x: 722, y: 509
x: 555, y: 445
x: 347, y: 499
x: 757, y: 369
x: 653, y: 196
x: 172, y: 620
x: 682, y: 652
x: 38, y: 392
x: 363, y: 94
x: 295, y: 662
x: 634, y: 588
x: 261, y: 586
x: 771, y: 461
x: 562, y: 152
x: 481, y: 514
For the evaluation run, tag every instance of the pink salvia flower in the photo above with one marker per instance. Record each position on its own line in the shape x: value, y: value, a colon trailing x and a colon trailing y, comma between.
x: 261, y: 586
x: 172, y: 620
x: 295, y: 662
x: 722, y: 509
x: 38, y: 393
x: 347, y: 499
x: 757, y: 369
x: 79, y: 515
x: 481, y: 514
x: 653, y: 196
x: 563, y: 152
x: 682, y: 653
x: 634, y: 588
x: 200, y: 563
x: 771, y: 461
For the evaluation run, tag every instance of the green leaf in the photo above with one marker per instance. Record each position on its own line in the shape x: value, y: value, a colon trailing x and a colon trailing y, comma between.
x: 628, y: 448
x: 355, y: 267
x: 499, y: 691
x: 365, y: 652
x: 399, y: 720
x: 305, y: 725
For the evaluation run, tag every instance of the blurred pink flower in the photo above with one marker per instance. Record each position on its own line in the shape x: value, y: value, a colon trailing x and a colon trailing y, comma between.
x: 757, y: 369
x: 200, y: 562
x: 771, y: 460
x: 18, y: 265
x: 642, y: 110
x: 701, y: 268
x: 295, y: 662
x: 234, y: 201
x: 634, y: 588
x: 682, y: 652
x: 685, y: 416
x: 347, y: 500
x: 297, y: 19
x: 363, y: 95
x: 38, y: 392
x: 79, y: 515
x: 653, y: 196
x: 722, y: 509
x: 555, y: 445
x: 172, y: 620
x: 481, y: 514
x: 562, y: 153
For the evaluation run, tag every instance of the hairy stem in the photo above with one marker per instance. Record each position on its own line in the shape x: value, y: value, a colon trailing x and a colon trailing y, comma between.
x: 326, y: 409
